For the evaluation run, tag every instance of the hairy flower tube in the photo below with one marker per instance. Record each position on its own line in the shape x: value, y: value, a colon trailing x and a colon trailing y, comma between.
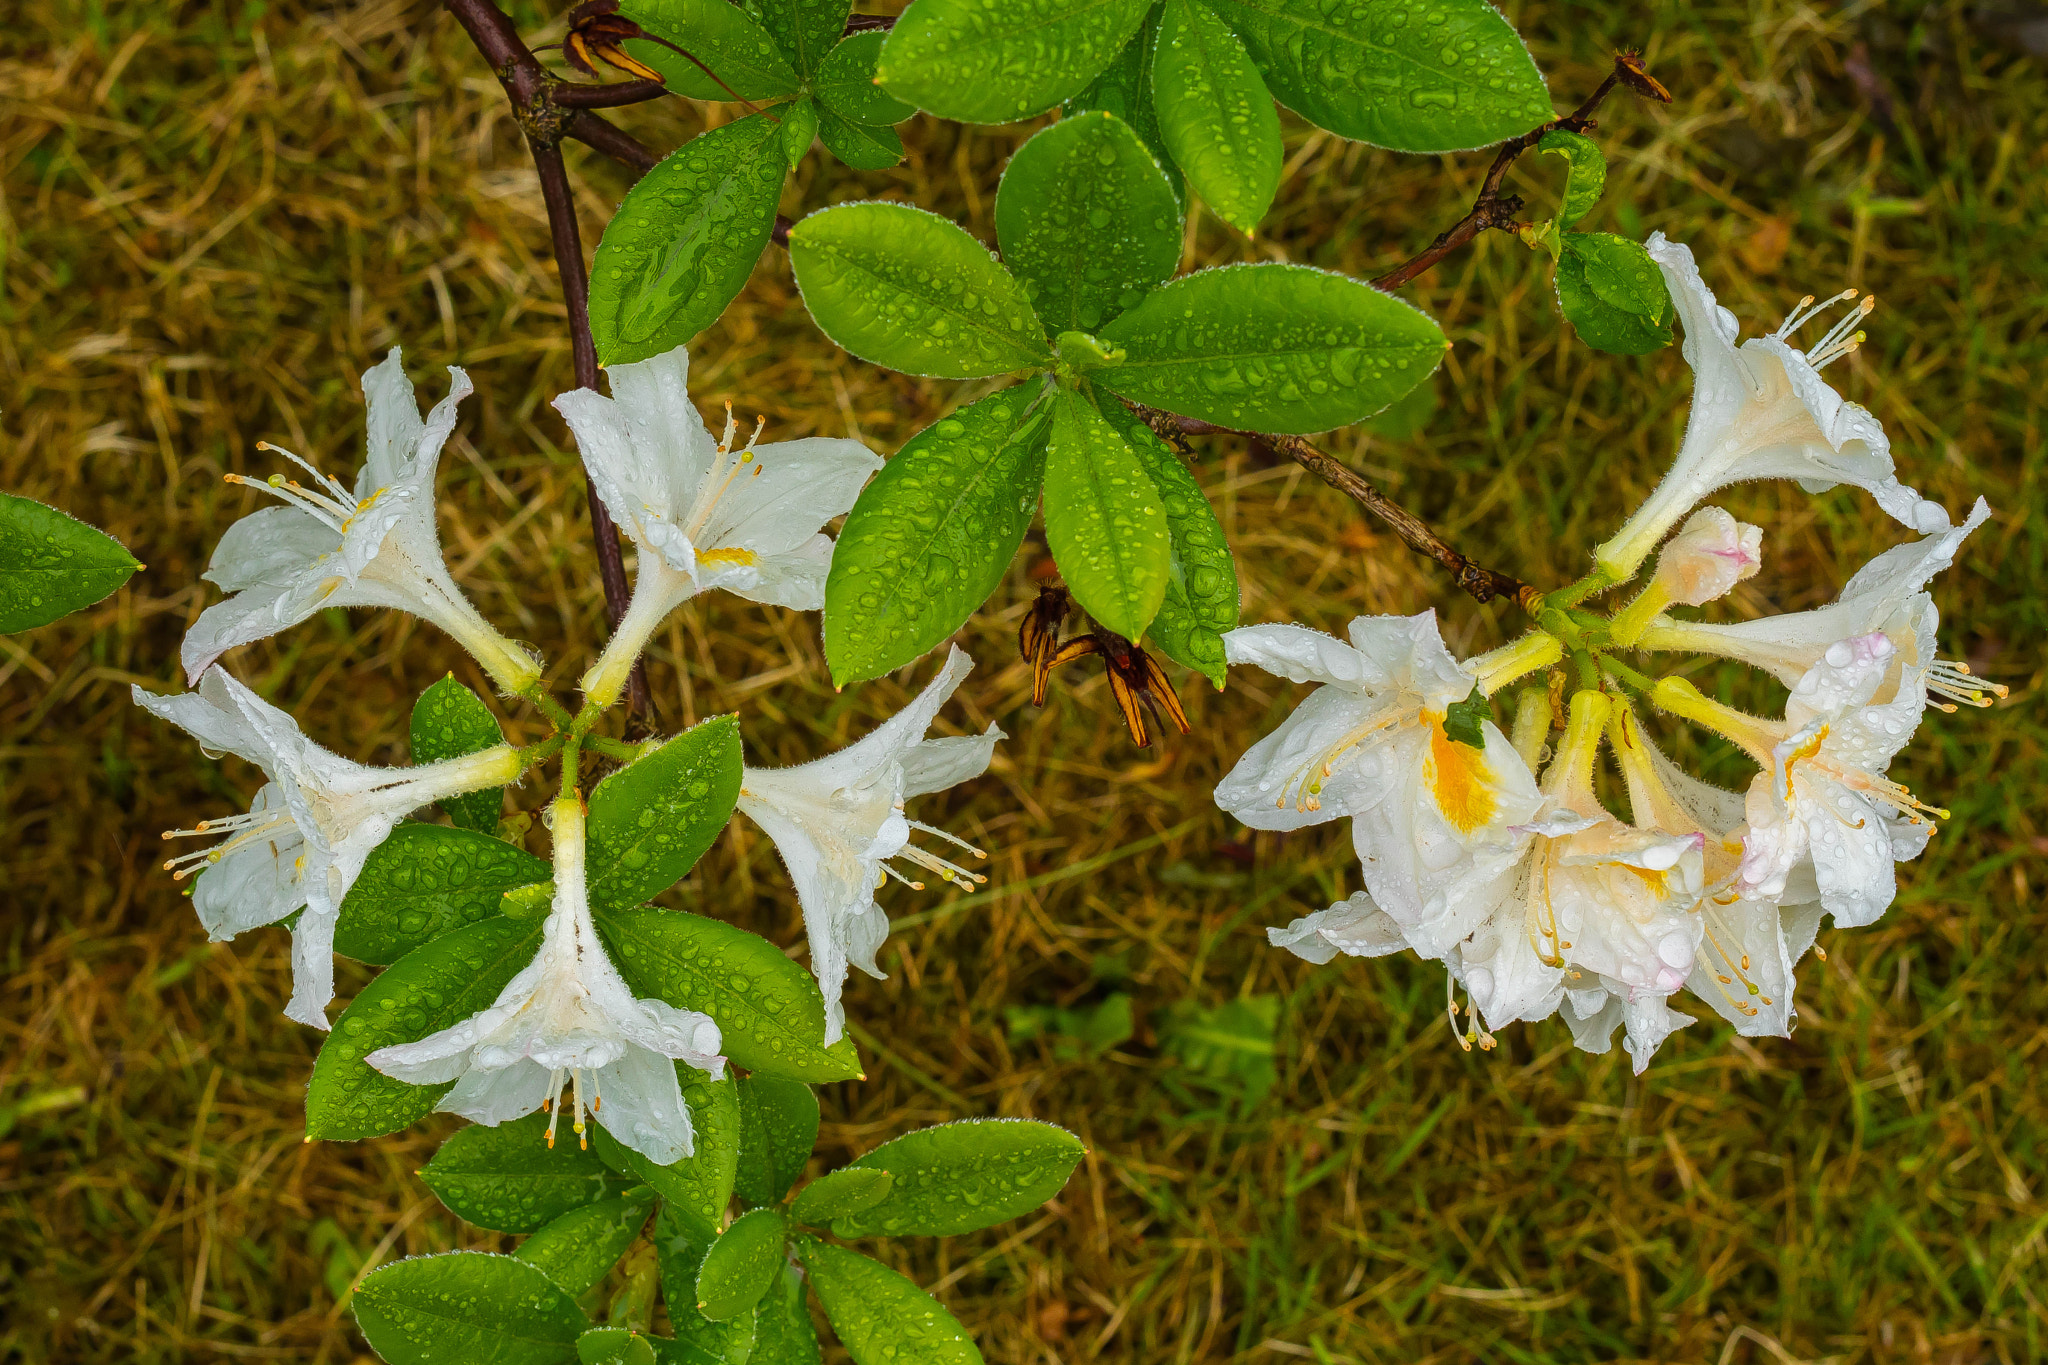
x: 569, y: 1016
x: 308, y: 832
x: 373, y: 546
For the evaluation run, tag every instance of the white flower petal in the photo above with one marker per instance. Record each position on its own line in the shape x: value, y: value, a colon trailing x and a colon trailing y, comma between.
x: 800, y: 486
x: 1299, y: 654
x: 643, y: 1106
x: 1353, y: 926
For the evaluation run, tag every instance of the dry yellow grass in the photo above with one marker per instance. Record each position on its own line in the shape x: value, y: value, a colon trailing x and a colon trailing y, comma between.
x: 217, y: 214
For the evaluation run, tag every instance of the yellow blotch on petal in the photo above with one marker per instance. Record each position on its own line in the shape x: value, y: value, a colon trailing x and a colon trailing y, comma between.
x: 730, y: 555
x: 1459, y: 778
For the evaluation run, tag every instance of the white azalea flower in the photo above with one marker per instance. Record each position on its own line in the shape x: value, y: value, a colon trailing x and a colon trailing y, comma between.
x: 309, y: 830
x: 1885, y: 595
x: 569, y: 1014
x: 1749, y: 944
x: 705, y: 512
x: 1429, y: 814
x: 1590, y: 904
x: 1353, y: 926
x: 1823, y: 796
x: 374, y: 547
x: 1761, y: 411
x: 837, y: 821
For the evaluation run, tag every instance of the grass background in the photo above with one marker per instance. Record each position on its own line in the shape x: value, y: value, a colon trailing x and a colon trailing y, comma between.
x: 216, y: 215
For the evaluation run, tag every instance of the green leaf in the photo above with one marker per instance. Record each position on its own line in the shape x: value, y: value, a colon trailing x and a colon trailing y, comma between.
x: 1215, y: 114
x: 1080, y: 1033
x: 615, y: 1346
x: 1440, y: 77
x: 930, y: 537
x: 1125, y: 89
x: 465, y: 1306
x: 1605, y: 298
x: 785, y: 1335
x: 1585, y: 173
x: 846, y: 82
x: 881, y: 1317
x: 799, y: 130
x: 778, y: 1129
x: 841, y: 1194
x: 1228, y: 1049
x: 986, y: 63
x: 961, y: 1176
x: 719, y: 34
x: 1087, y: 221
x: 805, y: 30
x: 652, y: 819
x: 424, y: 881
x: 449, y: 721
x: 580, y: 1248
x: 1465, y: 721
x: 1201, y: 588
x: 1271, y: 347
x: 1103, y: 519
x: 679, y: 1252
x: 741, y: 1265
x: 698, y: 1188
x: 434, y: 986
x: 52, y: 564
x: 767, y: 1007
x: 859, y: 145
x: 910, y: 290
x: 508, y: 1179
x: 684, y: 241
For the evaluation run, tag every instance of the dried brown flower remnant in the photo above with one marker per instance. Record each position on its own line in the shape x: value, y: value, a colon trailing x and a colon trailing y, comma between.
x: 1038, y: 637
x: 597, y: 32
x: 1135, y: 678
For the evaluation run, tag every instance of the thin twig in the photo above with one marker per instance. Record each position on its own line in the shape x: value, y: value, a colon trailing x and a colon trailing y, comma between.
x: 572, y: 96
x: 1482, y: 583
x: 621, y: 146
x: 531, y: 90
x: 1492, y: 209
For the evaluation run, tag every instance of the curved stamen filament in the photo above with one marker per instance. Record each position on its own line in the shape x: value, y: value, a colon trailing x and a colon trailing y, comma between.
x: 1733, y: 968
x: 1807, y: 310
x: 1952, y: 679
x: 722, y: 474
x: 242, y: 829
x: 1306, y: 781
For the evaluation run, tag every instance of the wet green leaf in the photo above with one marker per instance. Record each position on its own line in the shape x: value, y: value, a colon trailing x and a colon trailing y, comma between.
x: 1607, y: 298
x: 741, y: 1265
x: 1201, y: 588
x: 1271, y: 347
x: 784, y: 1332
x: 680, y: 1253
x: 52, y: 564
x: 508, y: 1179
x: 778, y: 1129
x: 434, y: 986
x: 580, y: 1247
x: 1087, y: 221
x: 961, y: 1176
x: 767, y: 1007
x: 841, y: 1194
x: 799, y: 129
x: 861, y: 146
x: 1440, y: 77
x: 1215, y: 114
x: 1103, y: 518
x: 805, y: 30
x: 449, y: 721
x: 615, y: 1346
x: 1585, y: 172
x: 719, y: 34
x: 698, y: 1188
x: 684, y: 241
x: 467, y: 1305
x: 1465, y: 721
x: 1125, y: 89
x: 652, y: 819
x: 846, y: 82
x: 910, y: 290
x: 424, y: 881
x: 931, y: 535
x: 881, y: 1317
x: 988, y: 63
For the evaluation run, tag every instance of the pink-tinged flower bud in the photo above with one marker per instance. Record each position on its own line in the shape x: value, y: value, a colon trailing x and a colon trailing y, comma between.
x: 1710, y: 554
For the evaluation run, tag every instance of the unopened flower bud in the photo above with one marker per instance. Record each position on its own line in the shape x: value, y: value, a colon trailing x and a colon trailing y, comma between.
x: 1710, y: 554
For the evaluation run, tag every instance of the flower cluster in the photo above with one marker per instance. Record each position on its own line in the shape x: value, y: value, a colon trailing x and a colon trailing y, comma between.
x: 704, y: 512
x: 1495, y: 856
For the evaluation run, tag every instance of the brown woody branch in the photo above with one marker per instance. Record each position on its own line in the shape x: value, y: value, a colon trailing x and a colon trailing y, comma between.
x: 1492, y: 209
x: 546, y: 121
x: 1482, y: 583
